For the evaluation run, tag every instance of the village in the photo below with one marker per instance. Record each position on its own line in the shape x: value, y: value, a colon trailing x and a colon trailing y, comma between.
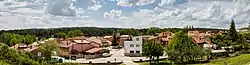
x: 96, y: 49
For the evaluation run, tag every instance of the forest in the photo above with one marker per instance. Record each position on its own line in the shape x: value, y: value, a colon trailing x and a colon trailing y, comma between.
x: 95, y: 31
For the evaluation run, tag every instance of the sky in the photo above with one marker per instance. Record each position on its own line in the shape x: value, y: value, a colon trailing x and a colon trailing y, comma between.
x: 16, y: 14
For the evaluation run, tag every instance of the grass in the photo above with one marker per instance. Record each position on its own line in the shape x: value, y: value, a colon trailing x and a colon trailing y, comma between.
x: 243, y: 59
x: 238, y: 60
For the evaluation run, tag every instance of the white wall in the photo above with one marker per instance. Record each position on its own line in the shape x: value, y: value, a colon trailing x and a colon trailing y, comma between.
x: 134, y: 42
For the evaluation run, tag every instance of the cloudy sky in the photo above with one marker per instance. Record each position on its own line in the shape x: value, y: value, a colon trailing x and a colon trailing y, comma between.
x: 123, y: 13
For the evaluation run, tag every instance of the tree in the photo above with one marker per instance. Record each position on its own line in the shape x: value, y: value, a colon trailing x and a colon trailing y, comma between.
x: 233, y: 35
x: 114, y: 40
x: 14, y: 41
x: 153, y: 30
x: 60, y: 35
x: 48, y: 48
x: 131, y: 31
x: 182, y: 48
x: 242, y: 44
x: 74, y: 33
x: 6, y: 38
x: 152, y: 49
x: 14, y: 57
x: 29, y: 39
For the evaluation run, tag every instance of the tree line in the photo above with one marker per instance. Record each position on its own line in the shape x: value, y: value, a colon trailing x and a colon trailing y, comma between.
x: 94, y: 31
x: 11, y: 39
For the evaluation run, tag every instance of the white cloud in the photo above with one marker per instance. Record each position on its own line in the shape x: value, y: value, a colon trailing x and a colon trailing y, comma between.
x: 95, y: 4
x: 207, y: 14
x: 27, y: 15
x: 95, y: 7
x: 167, y: 2
x: 130, y: 3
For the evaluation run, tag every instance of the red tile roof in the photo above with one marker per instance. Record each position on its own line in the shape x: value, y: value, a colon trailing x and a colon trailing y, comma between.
x: 93, y: 50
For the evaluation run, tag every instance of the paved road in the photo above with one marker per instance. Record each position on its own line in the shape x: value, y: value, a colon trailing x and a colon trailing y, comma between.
x: 118, y: 56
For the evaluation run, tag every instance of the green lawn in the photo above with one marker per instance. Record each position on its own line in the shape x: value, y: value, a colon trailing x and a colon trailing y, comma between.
x: 238, y: 60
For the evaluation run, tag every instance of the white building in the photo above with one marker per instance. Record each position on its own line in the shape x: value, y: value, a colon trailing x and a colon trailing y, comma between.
x: 133, y: 47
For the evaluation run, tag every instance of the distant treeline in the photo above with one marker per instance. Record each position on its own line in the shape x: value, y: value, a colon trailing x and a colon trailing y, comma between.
x: 95, y: 31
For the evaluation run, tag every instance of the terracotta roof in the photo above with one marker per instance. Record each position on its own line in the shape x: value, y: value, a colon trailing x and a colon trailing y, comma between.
x: 31, y: 49
x: 107, y: 37
x: 78, y: 38
x: 95, y: 39
x: 105, y: 41
x: 81, y: 41
x: 66, y: 43
x: 93, y: 50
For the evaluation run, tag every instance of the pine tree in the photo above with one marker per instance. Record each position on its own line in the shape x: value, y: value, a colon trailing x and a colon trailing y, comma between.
x: 232, y: 32
x: 114, y: 41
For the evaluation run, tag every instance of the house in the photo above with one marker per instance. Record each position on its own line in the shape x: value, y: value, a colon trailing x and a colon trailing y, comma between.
x: 202, y: 39
x: 20, y: 46
x: 124, y: 38
x: 81, y: 47
x: 105, y: 42
x: 134, y: 47
x: 165, y: 37
x: 110, y: 38
x: 33, y: 48
x: 77, y: 38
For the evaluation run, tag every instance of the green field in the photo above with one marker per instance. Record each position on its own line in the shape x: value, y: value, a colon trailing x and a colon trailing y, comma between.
x: 238, y: 60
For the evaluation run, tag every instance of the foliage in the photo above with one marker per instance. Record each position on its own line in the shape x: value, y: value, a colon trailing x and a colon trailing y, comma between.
x: 48, y: 48
x: 88, y: 31
x: 153, y: 30
x: 74, y: 33
x: 233, y: 35
x: 131, y: 31
x: 221, y: 40
x: 11, y: 39
x: 182, y: 48
x: 61, y: 35
x: 6, y: 38
x: 14, y: 57
x: 152, y: 49
x: 3, y: 63
x: 29, y: 39
x: 115, y: 39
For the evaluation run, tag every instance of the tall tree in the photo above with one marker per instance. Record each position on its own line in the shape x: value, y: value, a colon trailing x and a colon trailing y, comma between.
x: 232, y: 32
x: 152, y: 49
x: 114, y: 40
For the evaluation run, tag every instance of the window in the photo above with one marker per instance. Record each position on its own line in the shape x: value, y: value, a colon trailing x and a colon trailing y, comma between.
x: 137, y: 39
x: 137, y: 51
x: 131, y: 45
x: 137, y: 45
x: 131, y: 51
